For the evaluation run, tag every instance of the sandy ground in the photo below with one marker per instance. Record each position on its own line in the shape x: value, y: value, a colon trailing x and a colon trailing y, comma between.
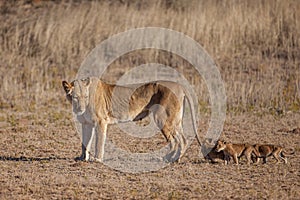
x: 37, y: 161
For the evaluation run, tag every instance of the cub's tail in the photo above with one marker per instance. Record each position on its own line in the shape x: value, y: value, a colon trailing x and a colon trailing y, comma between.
x: 288, y: 152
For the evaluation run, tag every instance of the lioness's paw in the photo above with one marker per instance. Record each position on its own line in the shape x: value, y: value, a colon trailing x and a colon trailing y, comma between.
x: 98, y: 160
x: 80, y: 158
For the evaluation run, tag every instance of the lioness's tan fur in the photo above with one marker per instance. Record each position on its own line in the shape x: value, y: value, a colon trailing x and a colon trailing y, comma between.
x: 98, y: 104
x: 266, y: 150
x: 235, y: 151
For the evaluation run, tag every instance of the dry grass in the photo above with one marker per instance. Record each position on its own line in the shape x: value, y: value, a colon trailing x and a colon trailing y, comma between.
x: 256, y: 45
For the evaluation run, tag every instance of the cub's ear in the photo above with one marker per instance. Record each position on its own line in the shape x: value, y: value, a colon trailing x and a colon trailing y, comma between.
x: 67, y: 87
x: 86, y: 81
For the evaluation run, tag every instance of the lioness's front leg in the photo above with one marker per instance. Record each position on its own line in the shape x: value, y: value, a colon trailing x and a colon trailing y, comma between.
x: 100, y: 141
x: 82, y: 156
x: 87, y: 138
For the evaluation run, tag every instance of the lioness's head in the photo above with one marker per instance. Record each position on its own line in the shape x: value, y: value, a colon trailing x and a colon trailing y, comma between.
x: 221, y: 145
x: 77, y: 92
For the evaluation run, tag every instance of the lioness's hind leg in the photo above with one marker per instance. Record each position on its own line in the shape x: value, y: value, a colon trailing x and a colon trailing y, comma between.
x: 177, y: 149
x: 179, y: 144
x: 172, y: 142
x: 173, y: 153
x: 160, y: 119
x: 166, y: 125
x: 182, y: 141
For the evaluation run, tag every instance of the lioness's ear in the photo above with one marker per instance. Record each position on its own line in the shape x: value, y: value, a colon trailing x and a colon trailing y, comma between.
x: 86, y: 81
x: 67, y: 87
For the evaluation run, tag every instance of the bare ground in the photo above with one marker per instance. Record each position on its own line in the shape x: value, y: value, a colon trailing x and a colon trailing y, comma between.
x: 37, y: 161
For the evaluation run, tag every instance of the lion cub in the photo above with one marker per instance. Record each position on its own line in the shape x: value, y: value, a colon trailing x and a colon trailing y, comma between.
x: 235, y: 151
x: 209, y: 149
x: 266, y: 150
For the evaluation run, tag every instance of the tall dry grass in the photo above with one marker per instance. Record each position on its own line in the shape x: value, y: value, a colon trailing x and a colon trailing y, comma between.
x: 256, y: 45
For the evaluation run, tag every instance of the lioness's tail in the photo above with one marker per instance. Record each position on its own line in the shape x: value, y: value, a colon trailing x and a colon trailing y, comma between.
x: 191, y: 104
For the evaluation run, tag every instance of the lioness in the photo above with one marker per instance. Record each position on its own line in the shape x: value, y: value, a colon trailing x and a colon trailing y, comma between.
x: 97, y: 104
x: 235, y: 151
x: 266, y: 150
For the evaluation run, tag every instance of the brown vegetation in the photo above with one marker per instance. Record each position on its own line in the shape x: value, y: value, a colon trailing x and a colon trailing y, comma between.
x: 255, y: 44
